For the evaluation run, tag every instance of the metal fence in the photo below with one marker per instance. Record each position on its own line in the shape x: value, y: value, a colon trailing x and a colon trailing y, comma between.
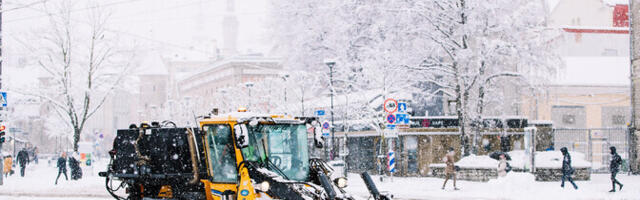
x: 594, y: 143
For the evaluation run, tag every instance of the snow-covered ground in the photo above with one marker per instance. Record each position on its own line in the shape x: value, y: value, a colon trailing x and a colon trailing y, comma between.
x: 514, y: 186
x: 39, y: 179
x: 38, y: 183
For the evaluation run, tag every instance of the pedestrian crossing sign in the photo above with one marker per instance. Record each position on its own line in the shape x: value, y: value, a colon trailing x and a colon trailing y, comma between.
x: 3, y: 99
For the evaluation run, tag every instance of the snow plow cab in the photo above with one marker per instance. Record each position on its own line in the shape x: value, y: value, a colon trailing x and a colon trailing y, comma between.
x: 236, y: 156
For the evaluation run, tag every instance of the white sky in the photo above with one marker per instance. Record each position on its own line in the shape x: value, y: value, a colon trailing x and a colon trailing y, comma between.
x: 174, y: 24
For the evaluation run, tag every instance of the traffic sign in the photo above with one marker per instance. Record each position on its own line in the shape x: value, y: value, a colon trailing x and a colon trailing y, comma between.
x: 326, y: 125
x: 3, y: 99
x: 319, y: 112
x: 391, y: 119
x: 325, y: 128
x: 390, y: 132
x: 390, y: 105
x: 401, y: 118
x: 402, y: 107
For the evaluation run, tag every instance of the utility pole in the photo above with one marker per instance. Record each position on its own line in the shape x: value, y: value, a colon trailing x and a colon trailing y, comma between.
x: 331, y: 64
x: 1, y: 59
x: 634, y: 43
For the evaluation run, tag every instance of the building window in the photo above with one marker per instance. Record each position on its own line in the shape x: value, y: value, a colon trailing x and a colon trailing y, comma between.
x: 568, y: 119
x: 618, y: 120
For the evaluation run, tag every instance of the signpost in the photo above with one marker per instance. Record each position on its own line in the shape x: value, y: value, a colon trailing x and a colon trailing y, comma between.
x: 3, y: 99
x: 390, y: 105
x: 391, y: 119
x: 325, y: 128
x: 320, y: 112
x: 402, y: 107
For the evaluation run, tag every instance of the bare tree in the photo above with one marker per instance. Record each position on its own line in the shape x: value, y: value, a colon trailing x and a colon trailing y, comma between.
x: 81, y: 63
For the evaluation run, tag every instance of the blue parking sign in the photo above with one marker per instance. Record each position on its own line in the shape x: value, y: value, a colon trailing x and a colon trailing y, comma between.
x: 401, y: 118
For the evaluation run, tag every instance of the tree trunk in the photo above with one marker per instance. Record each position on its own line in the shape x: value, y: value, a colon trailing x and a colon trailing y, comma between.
x: 76, y: 139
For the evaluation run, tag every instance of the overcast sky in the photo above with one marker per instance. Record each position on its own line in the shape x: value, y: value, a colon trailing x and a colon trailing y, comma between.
x: 173, y: 24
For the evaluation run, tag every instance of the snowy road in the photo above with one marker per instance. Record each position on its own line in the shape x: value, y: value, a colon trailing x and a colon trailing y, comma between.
x: 38, y: 184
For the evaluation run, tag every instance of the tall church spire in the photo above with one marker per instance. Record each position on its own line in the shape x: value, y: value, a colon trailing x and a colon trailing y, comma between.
x: 230, y: 30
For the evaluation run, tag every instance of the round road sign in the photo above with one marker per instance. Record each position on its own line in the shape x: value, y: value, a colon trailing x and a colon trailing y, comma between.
x: 325, y: 125
x: 391, y: 118
x: 390, y: 105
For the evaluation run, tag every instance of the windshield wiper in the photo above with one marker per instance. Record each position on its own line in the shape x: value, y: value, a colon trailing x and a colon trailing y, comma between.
x: 276, y: 168
x: 264, y: 150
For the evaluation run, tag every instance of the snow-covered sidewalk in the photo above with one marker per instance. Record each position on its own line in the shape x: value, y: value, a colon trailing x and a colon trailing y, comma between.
x: 39, y: 180
x: 514, y: 186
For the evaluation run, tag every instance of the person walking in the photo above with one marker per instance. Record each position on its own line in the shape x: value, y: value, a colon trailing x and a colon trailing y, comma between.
x: 62, y: 166
x: 23, y: 159
x: 502, y: 166
x: 567, y: 170
x: 614, y: 167
x: 8, y: 162
x: 74, y: 165
x: 35, y: 155
x: 449, y: 170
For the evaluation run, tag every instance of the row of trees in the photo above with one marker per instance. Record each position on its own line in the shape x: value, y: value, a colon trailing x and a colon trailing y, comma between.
x: 472, y: 51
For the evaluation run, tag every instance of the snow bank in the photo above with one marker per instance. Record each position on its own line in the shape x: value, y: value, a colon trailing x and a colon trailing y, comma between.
x: 543, y: 159
x: 472, y: 161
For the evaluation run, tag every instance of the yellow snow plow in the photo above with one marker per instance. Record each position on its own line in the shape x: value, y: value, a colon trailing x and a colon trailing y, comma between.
x: 241, y: 155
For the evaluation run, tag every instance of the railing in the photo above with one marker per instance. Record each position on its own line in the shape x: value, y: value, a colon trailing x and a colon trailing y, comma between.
x: 594, y: 143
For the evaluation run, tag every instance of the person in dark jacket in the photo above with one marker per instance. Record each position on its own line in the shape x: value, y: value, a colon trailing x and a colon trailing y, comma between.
x: 74, y: 165
x: 23, y: 159
x: 62, y: 167
x: 614, y: 167
x: 567, y: 170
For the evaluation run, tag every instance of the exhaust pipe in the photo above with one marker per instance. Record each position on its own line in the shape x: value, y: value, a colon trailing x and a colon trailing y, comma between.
x: 192, y: 151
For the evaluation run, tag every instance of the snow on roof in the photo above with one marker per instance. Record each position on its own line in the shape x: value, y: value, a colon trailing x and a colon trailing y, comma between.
x: 539, y: 122
x: 371, y: 97
x: 616, y: 2
x: 595, y: 71
x: 596, y: 28
x: 237, y: 59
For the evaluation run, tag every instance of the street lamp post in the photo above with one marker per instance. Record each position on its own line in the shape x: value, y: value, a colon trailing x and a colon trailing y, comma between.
x: 249, y: 85
x: 331, y: 64
x: 284, y: 78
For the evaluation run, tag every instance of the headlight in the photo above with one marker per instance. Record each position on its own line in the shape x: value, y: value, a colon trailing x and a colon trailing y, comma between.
x: 341, y: 182
x: 264, y: 186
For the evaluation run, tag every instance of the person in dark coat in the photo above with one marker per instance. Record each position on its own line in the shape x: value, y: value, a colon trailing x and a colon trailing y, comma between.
x: 74, y: 165
x: 23, y: 159
x: 62, y: 166
x: 567, y: 170
x: 614, y: 167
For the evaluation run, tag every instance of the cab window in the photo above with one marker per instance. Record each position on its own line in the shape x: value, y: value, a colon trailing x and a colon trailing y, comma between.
x: 221, y: 154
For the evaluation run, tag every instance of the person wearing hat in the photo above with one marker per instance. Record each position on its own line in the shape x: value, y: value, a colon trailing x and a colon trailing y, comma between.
x: 614, y: 167
x: 567, y: 170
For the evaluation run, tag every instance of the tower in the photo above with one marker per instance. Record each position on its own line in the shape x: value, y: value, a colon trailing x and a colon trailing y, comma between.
x: 230, y: 30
